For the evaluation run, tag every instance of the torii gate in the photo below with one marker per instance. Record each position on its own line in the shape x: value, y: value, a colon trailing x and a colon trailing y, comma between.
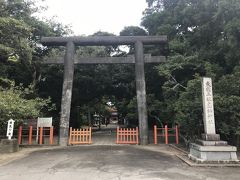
x: 70, y: 60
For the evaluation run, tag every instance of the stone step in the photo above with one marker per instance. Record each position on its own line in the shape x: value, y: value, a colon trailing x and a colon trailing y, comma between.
x: 211, y: 143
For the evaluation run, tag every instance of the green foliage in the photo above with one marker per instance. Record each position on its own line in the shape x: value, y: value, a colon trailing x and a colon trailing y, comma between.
x: 15, y: 104
x: 13, y: 37
x: 133, y: 31
x: 20, y: 56
x: 132, y: 112
x: 203, y: 41
x: 227, y: 114
x: 20, y: 33
x: 227, y: 107
x: 188, y: 109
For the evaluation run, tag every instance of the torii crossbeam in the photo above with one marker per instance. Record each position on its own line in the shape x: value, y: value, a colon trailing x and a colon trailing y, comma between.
x: 138, y: 60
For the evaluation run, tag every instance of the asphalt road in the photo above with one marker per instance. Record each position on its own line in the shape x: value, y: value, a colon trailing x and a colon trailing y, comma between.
x: 109, y: 163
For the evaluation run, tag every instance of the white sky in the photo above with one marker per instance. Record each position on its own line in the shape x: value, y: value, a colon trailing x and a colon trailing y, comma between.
x: 89, y: 16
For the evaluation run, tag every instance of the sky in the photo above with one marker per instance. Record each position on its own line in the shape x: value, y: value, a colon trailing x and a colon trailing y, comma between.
x: 89, y: 16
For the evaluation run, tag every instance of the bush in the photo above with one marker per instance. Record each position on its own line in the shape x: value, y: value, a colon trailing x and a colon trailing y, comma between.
x: 14, y: 104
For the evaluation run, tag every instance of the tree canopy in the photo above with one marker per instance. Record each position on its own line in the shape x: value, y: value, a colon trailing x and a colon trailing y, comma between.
x: 20, y: 54
x: 203, y: 41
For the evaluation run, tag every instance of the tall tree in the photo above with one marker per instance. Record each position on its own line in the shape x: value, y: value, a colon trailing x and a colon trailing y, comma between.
x: 203, y: 41
x: 20, y: 54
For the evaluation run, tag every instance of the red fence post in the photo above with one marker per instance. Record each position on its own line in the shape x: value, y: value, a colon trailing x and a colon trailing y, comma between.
x: 41, y: 135
x: 177, y: 134
x: 19, y: 134
x: 30, y: 135
x: 51, y: 136
x: 155, y: 134
x: 166, y: 134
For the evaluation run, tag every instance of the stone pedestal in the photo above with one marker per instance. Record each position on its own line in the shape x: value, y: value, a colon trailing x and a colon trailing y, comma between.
x: 211, y: 137
x: 9, y: 146
x: 213, y: 152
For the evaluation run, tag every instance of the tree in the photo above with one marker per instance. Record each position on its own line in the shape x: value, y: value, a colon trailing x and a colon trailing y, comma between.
x: 14, y: 104
x: 20, y: 50
x: 203, y: 41
x: 20, y: 56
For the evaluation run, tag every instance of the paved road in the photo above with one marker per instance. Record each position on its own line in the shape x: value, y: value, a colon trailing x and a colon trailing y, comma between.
x: 109, y: 163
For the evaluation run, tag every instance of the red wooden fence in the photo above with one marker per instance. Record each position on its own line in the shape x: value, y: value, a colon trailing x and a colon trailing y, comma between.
x: 80, y: 136
x: 127, y: 136
x: 19, y: 134
x: 29, y: 135
x: 165, y: 133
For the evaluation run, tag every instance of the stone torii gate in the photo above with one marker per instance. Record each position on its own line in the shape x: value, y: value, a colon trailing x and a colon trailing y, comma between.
x: 70, y: 60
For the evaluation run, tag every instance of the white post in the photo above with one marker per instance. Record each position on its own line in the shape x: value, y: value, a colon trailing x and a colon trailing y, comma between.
x: 10, y: 128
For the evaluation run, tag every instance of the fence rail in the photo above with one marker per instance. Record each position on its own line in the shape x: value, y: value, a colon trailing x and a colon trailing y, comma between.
x: 80, y: 136
x: 42, y: 135
x: 127, y: 136
x: 165, y: 133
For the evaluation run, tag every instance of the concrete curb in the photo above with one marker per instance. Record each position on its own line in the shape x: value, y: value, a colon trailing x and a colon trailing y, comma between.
x: 179, y: 149
x: 185, y: 159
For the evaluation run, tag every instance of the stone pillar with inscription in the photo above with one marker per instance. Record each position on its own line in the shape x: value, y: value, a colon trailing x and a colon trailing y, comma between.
x: 210, y: 148
x: 208, y: 111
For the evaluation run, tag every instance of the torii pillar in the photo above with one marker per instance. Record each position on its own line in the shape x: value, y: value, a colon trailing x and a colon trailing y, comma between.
x: 141, y: 93
x: 139, y: 60
x: 66, y: 93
